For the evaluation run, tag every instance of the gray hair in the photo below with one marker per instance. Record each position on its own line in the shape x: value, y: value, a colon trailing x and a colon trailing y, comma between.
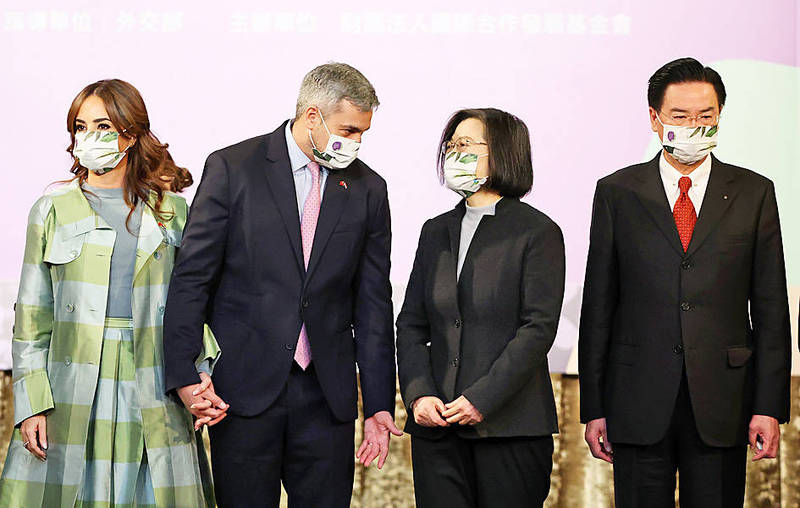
x: 326, y: 85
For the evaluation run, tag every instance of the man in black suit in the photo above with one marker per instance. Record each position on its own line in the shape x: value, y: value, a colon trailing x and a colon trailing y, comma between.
x: 684, y: 341
x: 286, y: 257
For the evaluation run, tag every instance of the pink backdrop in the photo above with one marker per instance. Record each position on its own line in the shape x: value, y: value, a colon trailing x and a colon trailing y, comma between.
x: 575, y: 71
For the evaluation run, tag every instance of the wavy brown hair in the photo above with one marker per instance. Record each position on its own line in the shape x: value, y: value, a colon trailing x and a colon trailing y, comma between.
x: 150, y: 167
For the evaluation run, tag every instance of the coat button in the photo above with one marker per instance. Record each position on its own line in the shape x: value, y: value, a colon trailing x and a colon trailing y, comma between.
x: 686, y: 306
x: 157, y: 255
x: 70, y: 307
x: 678, y: 349
x: 160, y: 309
x: 289, y: 347
x: 457, y: 323
x: 305, y: 304
x: 73, y: 253
x: 454, y: 362
x: 686, y: 265
x: 67, y: 360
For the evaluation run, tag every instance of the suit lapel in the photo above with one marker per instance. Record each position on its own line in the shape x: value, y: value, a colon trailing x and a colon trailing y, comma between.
x: 151, y: 234
x: 654, y: 200
x: 480, y: 240
x: 718, y: 197
x: 281, y: 185
x: 454, y: 232
x: 334, y: 201
x: 449, y: 283
x: 447, y: 291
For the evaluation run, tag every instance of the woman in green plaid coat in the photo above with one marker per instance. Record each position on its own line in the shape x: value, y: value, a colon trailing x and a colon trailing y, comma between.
x: 93, y: 424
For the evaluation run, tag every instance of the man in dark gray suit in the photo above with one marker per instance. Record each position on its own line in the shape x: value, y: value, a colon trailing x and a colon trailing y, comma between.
x: 684, y: 341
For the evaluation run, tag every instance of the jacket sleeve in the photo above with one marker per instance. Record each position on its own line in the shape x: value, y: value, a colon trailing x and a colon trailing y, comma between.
x: 372, y: 316
x: 769, y: 312
x: 542, y: 291
x: 33, y: 322
x: 413, y: 334
x: 600, y: 295
x: 197, y: 267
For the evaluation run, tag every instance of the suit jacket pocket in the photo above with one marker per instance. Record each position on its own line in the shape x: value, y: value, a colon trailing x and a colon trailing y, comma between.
x: 622, y: 353
x: 739, y: 356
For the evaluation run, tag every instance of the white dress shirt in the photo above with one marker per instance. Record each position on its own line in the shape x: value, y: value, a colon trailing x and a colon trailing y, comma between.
x: 699, y: 177
x: 302, y: 175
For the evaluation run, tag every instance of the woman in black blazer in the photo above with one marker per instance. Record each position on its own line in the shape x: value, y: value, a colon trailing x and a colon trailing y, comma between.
x: 480, y: 314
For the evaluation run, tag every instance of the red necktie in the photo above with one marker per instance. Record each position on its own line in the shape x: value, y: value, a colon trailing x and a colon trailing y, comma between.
x: 685, y: 216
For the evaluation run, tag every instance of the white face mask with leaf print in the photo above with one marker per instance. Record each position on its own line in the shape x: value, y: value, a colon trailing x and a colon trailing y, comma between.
x: 98, y: 151
x: 339, y: 152
x: 461, y: 173
x: 688, y: 144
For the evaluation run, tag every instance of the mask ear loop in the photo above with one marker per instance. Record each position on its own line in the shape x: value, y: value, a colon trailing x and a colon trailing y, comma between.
x: 323, y: 122
x: 130, y: 145
x: 310, y: 137
x: 313, y: 144
x: 663, y: 127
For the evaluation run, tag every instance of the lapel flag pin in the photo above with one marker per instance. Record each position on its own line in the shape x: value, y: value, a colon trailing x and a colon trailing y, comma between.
x: 343, y: 183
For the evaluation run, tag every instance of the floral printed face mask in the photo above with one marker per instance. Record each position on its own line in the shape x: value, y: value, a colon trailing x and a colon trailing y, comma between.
x: 461, y: 173
x: 688, y: 144
x: 339, y: 152
x: 98, y: 151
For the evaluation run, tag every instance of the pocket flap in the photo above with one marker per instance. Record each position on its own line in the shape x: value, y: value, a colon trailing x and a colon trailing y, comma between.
x: 64, y: 250
x: 739, y: 356
x: 67, y: 241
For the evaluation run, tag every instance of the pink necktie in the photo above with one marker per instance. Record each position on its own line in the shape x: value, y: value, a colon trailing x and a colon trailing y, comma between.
x: 302, y: 353
x: 685, y: 216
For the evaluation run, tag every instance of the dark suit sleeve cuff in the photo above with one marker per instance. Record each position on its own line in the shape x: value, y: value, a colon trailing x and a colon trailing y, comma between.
x: 586, y: 417
x: 178, y: 378
x: 483, y: 402
x: 370, y: 410
x: 591, y: 412
x: 781, y: 416
x: 417, y: 389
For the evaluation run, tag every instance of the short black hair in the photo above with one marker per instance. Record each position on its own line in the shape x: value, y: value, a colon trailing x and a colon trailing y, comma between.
x: 510, y: 166
x: 682, y: 70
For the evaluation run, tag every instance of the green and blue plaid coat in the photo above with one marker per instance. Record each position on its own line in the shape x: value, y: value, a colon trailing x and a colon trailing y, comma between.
x: 58, y: 336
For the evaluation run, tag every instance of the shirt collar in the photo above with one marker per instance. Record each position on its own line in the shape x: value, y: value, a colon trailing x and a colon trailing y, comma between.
x: 670, y: 175
x: 297, y: 158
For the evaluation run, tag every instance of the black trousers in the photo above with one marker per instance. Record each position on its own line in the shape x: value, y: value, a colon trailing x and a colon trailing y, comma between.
x: 297, y: 440
x: 709, y: 476
x: 481, y: 473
